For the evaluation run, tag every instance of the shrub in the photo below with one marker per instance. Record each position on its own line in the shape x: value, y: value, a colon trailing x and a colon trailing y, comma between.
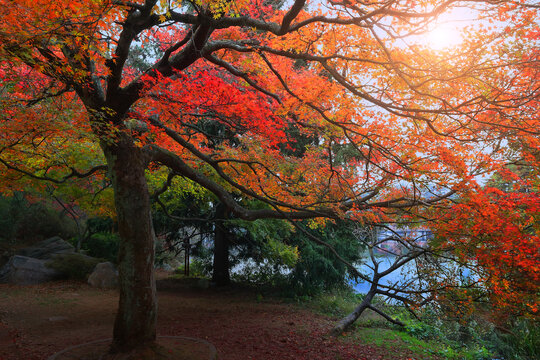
x: 23, y: 222
x: 74, y: 266
x: 337, y: 303
x: 521, y: 342
x: 197, y: 269
x: 318, y: 269
x: 422, y: 330
x: 102, y: 245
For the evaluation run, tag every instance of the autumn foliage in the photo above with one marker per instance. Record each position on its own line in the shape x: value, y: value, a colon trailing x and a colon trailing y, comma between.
x: 498, y: 232
x: 223, y: 92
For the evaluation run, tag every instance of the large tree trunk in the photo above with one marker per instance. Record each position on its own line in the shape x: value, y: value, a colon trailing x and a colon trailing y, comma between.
x: 135, y: 325
x: 348, y: 320
x: 221, y: 265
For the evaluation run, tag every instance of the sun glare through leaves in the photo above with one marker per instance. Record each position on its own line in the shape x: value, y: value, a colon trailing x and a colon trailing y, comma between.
x: 443, y: 37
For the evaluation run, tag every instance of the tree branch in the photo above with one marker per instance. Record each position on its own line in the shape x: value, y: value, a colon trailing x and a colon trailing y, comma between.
x: 74, y: 173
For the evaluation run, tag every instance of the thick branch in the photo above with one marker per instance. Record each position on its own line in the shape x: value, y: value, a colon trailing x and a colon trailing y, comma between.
x: 175, y: 163
x: 387, y: 317
x: 74, y: 173
x: 191, y: 52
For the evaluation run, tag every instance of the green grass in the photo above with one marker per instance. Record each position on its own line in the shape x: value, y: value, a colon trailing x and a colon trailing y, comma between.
x: 422, y: 340
x: 391, y: 339
x: 336, y: 304
x: 424, y: 349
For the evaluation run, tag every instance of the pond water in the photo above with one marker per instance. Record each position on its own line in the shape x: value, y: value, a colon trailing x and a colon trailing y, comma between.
x: 405, y: 273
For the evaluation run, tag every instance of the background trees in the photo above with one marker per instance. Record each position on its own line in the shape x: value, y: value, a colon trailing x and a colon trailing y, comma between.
x: 392, y: 119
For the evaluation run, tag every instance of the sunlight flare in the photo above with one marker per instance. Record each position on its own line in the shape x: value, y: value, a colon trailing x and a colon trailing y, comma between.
x: 443, y: 37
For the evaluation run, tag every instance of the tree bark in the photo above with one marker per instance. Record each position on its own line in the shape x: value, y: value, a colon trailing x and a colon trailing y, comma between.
x: 135, y: 324
x: 221, y: 266
x: 348, y: 320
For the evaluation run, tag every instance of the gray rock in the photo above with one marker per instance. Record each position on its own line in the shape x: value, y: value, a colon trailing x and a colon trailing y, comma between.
x: 23, y: 270
x: 104, y: 276
x: 46, y: 249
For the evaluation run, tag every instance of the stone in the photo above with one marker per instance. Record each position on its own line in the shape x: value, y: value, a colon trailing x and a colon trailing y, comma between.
x: 47, y: 249
x: 104, y: 276
x: 23, y: 270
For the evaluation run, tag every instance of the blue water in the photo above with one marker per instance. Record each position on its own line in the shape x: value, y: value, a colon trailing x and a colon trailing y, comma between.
x: 385, y: 262
x: 405, y: 273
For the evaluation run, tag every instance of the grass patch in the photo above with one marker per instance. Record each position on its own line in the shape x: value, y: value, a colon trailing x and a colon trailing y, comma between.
x: 423, y: 340
x: 335, y: 304
x: 390, y: 338
x: 425, y: 349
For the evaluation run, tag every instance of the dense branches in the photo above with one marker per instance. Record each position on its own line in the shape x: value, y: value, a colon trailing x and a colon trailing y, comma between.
x: 397, y: 127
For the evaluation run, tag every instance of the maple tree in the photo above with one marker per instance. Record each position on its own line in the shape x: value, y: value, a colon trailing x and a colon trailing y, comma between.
x: 396, y: 125
x: 497, y: 231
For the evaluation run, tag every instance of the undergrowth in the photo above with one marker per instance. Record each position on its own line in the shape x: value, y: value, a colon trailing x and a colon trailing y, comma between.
x: 431, y: 335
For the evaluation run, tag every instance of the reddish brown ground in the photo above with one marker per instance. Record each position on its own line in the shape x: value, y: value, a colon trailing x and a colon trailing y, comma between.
x: 38, y: 321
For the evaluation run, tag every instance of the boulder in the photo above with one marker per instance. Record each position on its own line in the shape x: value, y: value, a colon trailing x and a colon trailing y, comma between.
x: 23, y: 270
x: 73, y: 266
x: 104, y: 276
x: 47, y: 249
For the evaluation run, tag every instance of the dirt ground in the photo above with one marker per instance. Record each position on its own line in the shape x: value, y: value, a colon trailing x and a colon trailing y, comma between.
x: 38, y: 321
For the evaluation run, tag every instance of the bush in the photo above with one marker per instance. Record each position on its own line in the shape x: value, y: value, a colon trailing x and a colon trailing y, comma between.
x: 422, y: 330
x: 102, y: 245
x: 23, y: 222
x: 318, y: 269
x: 74, y: 266
x: 522, y: 342
x: 197, y: 269
x: 336, y: 303
x: 476, y: 337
